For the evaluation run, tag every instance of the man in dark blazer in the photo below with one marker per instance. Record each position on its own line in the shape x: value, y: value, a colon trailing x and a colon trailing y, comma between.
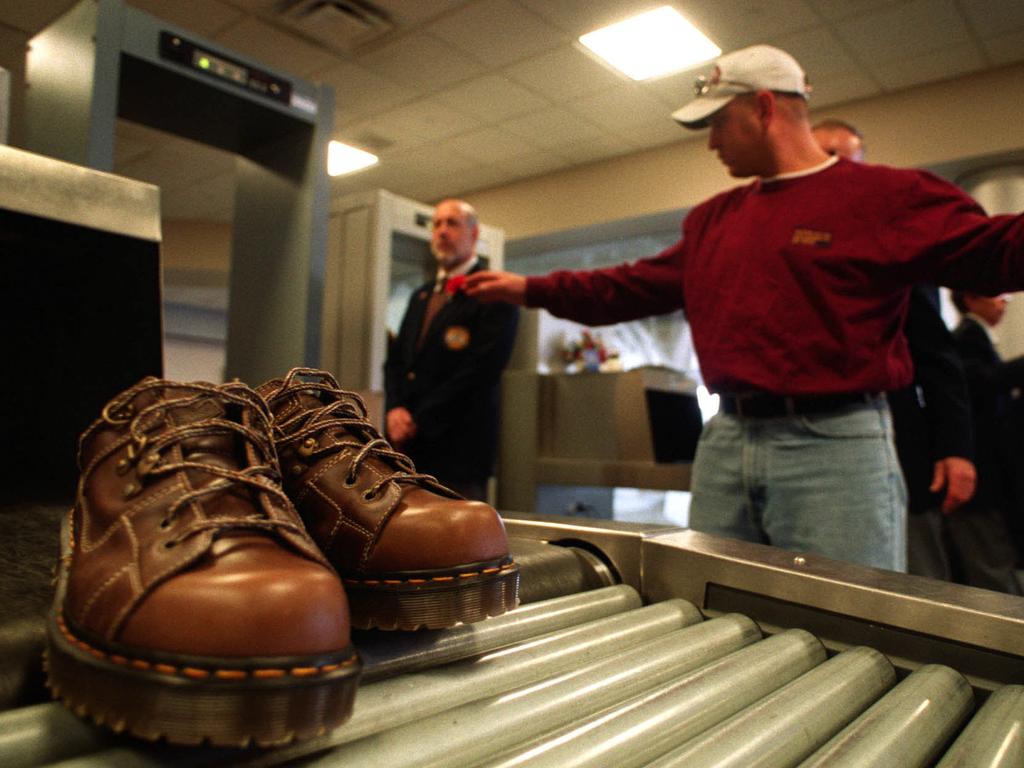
x: 983, y: 531
x: 934, y: 438
x: 444, y: 367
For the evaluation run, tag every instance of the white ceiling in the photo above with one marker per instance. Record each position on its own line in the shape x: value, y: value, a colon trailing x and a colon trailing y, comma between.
x: 465, y: 94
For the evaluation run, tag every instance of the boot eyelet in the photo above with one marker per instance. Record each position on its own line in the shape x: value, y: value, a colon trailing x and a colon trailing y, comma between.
x: 297, y: 469
x: 123, y: 465
x: 131, y: 489
x: 308, y: 446
x: 368, y: 496
x: 148, y: 462
x: 165, y: 523
x: 348, y: 482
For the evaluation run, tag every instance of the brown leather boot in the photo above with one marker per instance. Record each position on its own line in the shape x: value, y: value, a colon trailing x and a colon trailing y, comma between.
x: 411, y: 552
x: 191, y: 603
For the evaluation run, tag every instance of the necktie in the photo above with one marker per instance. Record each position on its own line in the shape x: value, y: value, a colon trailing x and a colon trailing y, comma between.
x: 434, y: 303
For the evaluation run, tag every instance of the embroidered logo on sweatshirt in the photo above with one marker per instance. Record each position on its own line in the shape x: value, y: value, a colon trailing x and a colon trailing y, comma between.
x: 812, y: 237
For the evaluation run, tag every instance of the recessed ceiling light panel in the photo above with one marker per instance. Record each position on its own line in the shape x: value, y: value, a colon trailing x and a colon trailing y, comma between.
x: 342, y: 159
x: 654, y: 43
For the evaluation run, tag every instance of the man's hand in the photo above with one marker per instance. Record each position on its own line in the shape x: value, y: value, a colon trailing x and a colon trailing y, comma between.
x: 958, y: 477
x: 496, y: 286
x: 401, y: 427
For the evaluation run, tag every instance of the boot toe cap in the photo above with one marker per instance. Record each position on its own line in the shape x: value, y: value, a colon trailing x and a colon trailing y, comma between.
x: 247, y: 597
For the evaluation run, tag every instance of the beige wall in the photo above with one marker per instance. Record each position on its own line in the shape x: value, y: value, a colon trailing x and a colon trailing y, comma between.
x: 196, y: 252
x: 969, y: 117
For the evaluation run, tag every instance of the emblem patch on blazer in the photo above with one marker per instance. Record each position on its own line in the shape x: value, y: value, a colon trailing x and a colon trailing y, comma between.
x: 812, y: 237
x: 456, y: 338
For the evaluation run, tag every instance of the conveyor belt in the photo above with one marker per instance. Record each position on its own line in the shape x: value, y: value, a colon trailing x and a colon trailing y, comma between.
x: 597, y: 678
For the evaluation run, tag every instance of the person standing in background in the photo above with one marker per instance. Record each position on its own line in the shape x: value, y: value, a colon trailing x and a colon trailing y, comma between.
x: 443, y: 372
x: 983, y: 530
x: 931, y: 418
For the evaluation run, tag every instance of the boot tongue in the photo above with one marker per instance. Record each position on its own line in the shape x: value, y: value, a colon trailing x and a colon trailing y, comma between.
x: 293, y: 402
x: 222, y: 449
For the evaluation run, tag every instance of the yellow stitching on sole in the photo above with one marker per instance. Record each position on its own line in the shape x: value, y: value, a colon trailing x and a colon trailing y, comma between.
x: 196, y: 673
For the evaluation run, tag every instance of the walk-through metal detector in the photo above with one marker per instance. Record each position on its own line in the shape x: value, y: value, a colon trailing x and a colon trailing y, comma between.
x: 103, y: 60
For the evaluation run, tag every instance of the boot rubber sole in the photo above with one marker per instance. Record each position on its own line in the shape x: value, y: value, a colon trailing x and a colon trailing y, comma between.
x: 432, y: 599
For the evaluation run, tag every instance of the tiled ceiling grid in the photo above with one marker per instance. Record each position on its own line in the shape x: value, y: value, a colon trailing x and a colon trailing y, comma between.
x: 456, y: 95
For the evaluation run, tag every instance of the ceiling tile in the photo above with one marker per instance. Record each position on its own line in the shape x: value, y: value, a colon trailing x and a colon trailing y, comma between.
x: 491, y: 145
x: 676, y: 89
x: 269, y: 46
x: 34, y: 16
x: 578, y: 17
x: 207, y: 17
x: 358, y: 91
x: 407, y: 13
x: 598, y: 148
x: 422, y: 61
x: 904, y: 31
x: 483, y: 177
x: 925, y: 68
x: 844, y: 9
x: 734, y: 24
x: 564, y: 73
x: 1006, y: 49
x: 257, y: 6
x: 492, y: 98
x: 422, y: 121
x: 443, y: 158
x: 533, y: 164
x: 654, y: 133
x: 554, y: 128
x: 497, y: 31
x: 839, y: 89
x: 993, y: 18
x: 620, y: 108
x: 820, y: 53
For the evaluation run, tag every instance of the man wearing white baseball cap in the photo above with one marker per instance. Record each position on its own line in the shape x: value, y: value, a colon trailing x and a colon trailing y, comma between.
x: 796, y: 288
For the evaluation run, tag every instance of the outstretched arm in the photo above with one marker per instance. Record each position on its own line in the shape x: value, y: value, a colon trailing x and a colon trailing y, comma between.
x: 496, y: 286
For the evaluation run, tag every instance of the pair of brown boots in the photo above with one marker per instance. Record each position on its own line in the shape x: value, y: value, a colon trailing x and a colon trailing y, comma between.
x: 199, y: 597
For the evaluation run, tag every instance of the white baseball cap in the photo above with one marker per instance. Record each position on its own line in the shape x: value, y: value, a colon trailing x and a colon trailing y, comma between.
x: 757, y: 68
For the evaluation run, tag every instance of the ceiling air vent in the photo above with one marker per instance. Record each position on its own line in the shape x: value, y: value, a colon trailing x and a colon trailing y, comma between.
x: 341, y: 24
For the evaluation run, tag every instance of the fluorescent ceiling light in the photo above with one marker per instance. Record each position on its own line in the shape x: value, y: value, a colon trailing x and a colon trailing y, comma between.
x: 342, y: 159
x: 654, y: 43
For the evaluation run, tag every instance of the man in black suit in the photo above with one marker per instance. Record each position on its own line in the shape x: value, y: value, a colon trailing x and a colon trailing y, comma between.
x: 931, y: 418
x: 443, y: 370
x: 983, y: 532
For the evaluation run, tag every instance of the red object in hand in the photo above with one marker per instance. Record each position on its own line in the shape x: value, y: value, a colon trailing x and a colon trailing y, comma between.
x: 454, y: 284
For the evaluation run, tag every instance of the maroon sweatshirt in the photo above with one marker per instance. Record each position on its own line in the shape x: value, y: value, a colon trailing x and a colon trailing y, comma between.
x: 800, y: 285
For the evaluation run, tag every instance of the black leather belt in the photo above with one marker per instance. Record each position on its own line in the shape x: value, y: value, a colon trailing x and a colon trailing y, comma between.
x: 764, y: 405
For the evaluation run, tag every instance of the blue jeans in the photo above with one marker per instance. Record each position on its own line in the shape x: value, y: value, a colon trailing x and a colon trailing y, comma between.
x: 827, y: 484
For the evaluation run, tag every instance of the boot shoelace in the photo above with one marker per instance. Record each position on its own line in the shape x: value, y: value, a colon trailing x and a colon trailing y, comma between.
x: 347, y: 414
x: 149, y: 452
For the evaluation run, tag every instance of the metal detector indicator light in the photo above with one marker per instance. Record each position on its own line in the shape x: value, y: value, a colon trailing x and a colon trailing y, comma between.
x: 198, y: 58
